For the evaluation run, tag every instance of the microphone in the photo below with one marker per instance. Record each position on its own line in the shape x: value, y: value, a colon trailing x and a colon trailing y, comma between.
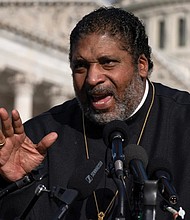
x: 16, y: 185
x: 115, y: 135
x: 34, y: 175
x: 82, y: 183
x: 136, y: 159
x: 159, y: 169
x: 144, y: 191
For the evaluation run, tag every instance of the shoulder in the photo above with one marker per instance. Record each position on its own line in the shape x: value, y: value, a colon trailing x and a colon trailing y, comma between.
x: 54, y: 119
x: 59, y: 112
x: 172, y: 95
x: 69, y: 107
x: 173, y: 105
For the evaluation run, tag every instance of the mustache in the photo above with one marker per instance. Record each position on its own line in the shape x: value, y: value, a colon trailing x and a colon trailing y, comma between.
x: 101, y: 90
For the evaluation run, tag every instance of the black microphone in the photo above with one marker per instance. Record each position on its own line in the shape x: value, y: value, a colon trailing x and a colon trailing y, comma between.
x: 16, y: 185
x: 136, y: 160
x: 115, y: 135
x: 82, y: 183
x: 159, y: 169
x: 34, y: 175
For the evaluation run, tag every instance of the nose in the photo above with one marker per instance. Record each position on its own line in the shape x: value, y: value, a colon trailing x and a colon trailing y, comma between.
x: 95, y: 75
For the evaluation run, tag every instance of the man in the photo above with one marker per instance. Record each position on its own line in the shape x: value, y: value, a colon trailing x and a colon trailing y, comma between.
x: 111, y: 62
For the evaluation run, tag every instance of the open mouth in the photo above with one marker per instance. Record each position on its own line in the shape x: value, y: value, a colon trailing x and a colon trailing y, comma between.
x: 101, y: 101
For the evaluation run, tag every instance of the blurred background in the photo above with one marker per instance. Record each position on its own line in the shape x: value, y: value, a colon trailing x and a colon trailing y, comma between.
x: 34, y: 42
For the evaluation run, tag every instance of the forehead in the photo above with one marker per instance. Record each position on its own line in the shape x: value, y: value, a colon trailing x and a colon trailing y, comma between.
x: 97, y: 44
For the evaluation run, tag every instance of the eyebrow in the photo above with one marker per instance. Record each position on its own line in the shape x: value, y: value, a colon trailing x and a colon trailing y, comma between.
x: 104, y: 57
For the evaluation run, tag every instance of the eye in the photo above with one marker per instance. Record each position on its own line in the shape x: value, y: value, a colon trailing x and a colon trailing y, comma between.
x: 79, y: 66
x: 108, y: 63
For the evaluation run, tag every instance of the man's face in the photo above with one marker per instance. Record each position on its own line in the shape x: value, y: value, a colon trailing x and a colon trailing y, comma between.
x: 107, y: 84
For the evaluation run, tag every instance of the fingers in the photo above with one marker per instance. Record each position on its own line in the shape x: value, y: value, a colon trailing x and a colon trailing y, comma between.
x: 2, y: 138
x: 6, y: 124
x: 46, y: 142
x: 10, y: 125
x: 17, y: 122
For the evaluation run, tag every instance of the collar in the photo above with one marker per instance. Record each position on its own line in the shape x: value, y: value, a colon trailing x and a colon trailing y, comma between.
x: 142, y: 100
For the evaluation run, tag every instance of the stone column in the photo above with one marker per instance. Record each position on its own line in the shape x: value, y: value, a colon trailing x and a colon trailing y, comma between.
x: 24, y: 89
x: 57, y: 95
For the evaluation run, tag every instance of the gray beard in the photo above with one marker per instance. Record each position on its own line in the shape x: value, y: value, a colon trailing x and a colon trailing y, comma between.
x: 124, y: 106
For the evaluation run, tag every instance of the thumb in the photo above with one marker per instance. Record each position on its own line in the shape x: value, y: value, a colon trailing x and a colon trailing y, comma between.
x: 46, y: 142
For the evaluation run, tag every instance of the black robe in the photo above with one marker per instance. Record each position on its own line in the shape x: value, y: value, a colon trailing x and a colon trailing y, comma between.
x: 166, y: 136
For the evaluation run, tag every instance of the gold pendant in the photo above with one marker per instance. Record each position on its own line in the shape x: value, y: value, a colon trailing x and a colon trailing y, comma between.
x: 101, y: 216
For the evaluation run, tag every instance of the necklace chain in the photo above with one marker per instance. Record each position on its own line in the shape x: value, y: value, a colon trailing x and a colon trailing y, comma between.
x: 102, y: 214
x: 147, y: 115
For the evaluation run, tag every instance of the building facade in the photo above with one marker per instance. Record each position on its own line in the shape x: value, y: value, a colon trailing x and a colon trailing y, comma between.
x: 34, y: 42
x: 167, y: 24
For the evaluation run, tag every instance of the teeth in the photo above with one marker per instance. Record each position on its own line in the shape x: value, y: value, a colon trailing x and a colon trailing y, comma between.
x: 100, y: 102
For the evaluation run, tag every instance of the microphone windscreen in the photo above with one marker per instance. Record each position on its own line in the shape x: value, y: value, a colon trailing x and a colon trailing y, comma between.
x: 86, y: 177
x: 133, y: 151
x: 112, y: 127
x: 159, y: 164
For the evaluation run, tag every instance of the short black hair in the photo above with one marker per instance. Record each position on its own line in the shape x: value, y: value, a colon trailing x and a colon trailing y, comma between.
x: 118, y: 23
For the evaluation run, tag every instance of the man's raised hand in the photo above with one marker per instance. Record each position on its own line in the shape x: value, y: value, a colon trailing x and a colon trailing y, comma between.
x: 18, y: 154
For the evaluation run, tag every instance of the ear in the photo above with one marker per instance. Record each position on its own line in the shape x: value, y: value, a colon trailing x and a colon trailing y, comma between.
x: 143, y: 66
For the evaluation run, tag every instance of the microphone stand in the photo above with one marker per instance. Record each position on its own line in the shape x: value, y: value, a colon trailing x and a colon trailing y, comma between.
x: 150, y: 197
x: 122, y: 197
x: 66, y: 197
x: 39, y: 189
x: 121, y: 212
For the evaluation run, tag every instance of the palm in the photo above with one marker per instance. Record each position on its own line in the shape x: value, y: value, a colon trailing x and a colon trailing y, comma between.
x: 20, y: 155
